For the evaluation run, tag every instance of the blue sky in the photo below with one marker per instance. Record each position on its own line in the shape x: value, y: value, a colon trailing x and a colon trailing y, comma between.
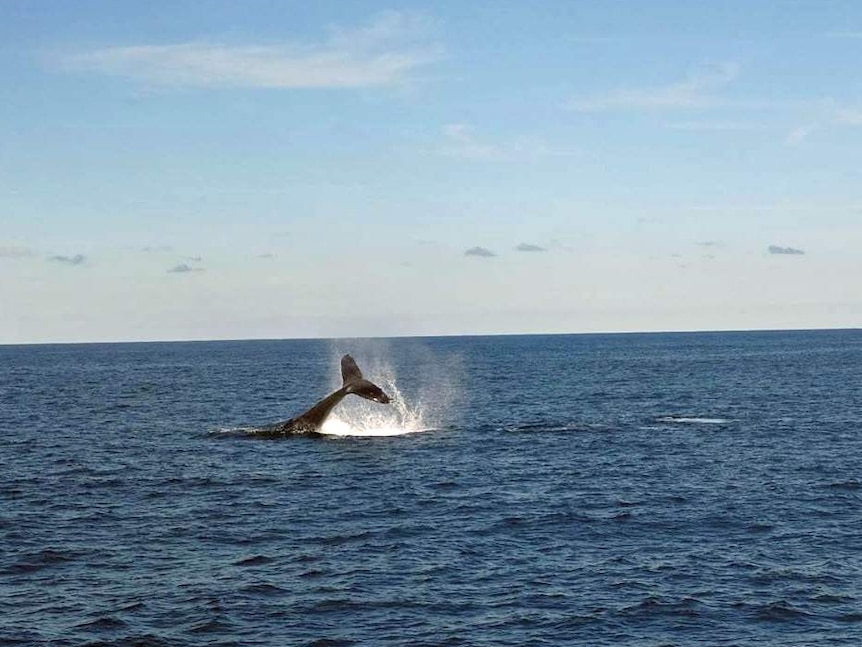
x: 199, y: 170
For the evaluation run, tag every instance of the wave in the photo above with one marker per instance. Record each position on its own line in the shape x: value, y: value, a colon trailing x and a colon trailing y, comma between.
x: 37, y: 561
x: 693, y: 420
x: 253, y: 560
x: 552, y: 427
x: 244, y: 431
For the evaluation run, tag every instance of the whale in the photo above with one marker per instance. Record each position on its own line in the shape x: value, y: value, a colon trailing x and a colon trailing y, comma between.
x: 310, y: 422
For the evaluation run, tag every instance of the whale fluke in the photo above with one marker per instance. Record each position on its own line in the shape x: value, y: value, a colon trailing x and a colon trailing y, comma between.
x: 355, y: 383
x: 349, y: 370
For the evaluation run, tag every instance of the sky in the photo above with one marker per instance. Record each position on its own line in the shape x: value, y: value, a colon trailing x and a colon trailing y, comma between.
x: 217, y: 169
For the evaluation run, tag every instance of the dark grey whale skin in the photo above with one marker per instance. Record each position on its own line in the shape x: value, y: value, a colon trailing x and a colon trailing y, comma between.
x: 310, y: 422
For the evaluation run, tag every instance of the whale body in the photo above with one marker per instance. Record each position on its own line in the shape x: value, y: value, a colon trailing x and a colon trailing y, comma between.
x: 310, y: 422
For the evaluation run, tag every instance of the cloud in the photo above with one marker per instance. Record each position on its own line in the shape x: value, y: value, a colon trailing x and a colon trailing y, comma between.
x: 77, y: 259
x: 15, y: 251
x: 788, y: 251
x: 851, y: 35
x: 712, y: 126
x: 381, y: 53
x: 529, y: 247
x: 698, y: 90
x: 799, y: 134
x: 460, y: 140
x: 183, y: 268
x: 849, y: 117
x: 832, y: 117
x: 480, y: 252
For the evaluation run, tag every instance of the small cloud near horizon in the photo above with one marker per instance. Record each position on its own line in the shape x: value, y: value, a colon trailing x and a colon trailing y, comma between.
x: 530, y: 247
x: 786, y: 251
x: 183, y: 268
x: 77, y: 259
x: 15, y: 251
x: 479, y: 252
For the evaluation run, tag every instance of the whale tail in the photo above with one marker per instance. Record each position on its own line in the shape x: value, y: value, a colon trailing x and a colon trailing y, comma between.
x: 311, y: 421
x: 355, y: 383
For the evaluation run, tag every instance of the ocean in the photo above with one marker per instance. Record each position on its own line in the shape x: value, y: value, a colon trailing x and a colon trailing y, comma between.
x: 633, y: 489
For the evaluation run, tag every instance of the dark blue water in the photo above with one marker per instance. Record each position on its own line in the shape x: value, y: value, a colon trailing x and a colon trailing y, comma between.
x: 671, y: 489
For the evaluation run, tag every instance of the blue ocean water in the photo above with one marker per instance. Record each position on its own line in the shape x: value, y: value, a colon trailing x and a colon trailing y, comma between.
x: 656, y: 489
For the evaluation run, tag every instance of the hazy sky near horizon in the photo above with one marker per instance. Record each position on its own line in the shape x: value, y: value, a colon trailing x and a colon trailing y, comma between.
x: 226, y: 169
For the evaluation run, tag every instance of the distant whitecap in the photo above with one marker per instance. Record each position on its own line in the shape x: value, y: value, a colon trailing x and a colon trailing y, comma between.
x: 691, y: 420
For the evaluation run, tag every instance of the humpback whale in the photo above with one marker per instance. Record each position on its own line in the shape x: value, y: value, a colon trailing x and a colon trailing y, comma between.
x: 310, y: 422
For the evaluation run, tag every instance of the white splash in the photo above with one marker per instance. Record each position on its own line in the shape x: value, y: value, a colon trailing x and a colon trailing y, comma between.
x: 363, y: 418
x: 430, y: 390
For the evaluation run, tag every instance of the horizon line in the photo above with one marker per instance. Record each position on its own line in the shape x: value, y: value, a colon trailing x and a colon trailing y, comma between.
x: 686, y: 331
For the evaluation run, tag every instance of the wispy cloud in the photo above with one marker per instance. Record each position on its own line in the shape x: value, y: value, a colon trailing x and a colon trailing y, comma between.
x: 529, y: 247
x: 849, y: 116
x: 480, y: 252
x: 77, y: 259
x: 779, y: 207
x: 461, y: 141
x: 849, y: 35
x: 712, y: 126
x: 15, y: 251
x: 831, y: 116
x: 800, y: 134
x: 787, y: 251
x: 381, y: 53
x: 698, y: 90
